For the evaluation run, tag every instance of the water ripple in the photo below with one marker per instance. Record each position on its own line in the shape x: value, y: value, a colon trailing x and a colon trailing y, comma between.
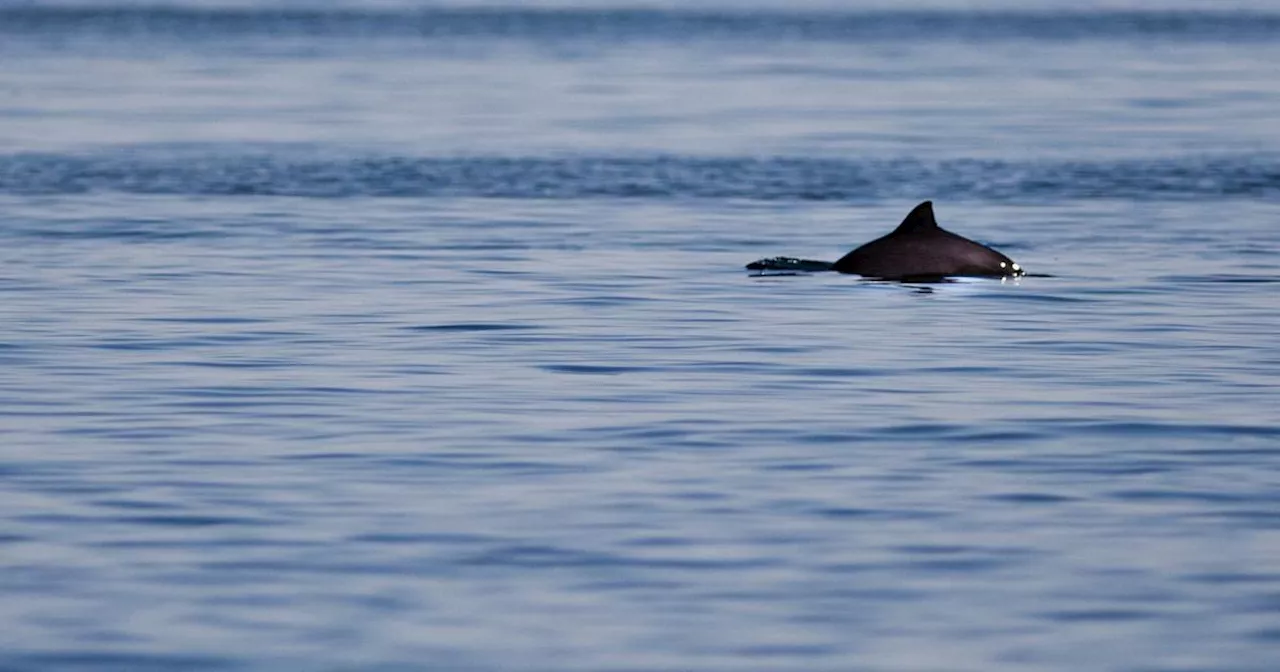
x: 198, y: 24
x: 161, y: 171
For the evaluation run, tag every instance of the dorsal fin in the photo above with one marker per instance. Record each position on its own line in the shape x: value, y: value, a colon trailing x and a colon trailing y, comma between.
x: 918, y: 220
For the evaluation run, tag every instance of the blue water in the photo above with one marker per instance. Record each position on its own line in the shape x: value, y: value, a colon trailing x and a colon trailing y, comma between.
x: 400, y: 337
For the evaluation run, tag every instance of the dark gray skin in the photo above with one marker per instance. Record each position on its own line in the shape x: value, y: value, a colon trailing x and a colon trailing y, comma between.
x: 917, y: 251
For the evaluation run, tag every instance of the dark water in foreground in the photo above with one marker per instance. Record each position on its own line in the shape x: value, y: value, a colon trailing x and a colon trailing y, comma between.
x: 415, y: 339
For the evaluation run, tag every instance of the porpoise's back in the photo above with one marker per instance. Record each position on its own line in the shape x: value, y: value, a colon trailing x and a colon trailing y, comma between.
x: 920, y: 249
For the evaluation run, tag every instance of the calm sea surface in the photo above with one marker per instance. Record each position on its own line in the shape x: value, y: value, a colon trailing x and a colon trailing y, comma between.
x: 399, y: 337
